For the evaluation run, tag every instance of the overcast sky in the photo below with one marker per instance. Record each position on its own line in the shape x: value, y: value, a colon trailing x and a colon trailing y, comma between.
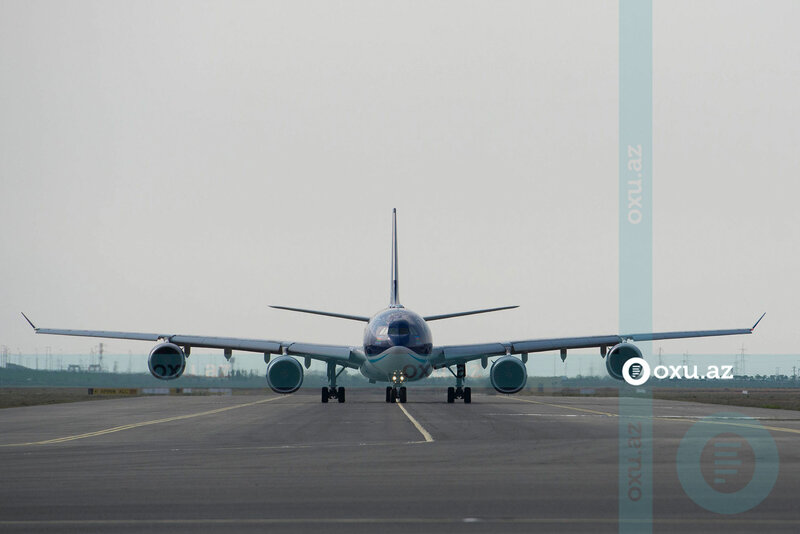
x: 178, y: 166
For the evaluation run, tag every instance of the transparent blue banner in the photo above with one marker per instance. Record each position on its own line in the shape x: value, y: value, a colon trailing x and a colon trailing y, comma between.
x: 635, y: 253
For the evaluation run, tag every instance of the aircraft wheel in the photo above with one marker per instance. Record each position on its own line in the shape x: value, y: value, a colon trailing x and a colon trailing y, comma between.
x: 340, y: 394
x: 467, y: 395
x: 393, y: 395
x: 324, y: 394
x: 451, y: 395
x: 403, y: 395
x: 388, y: 394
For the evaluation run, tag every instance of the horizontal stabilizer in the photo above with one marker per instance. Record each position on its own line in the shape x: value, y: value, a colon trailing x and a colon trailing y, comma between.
x: 461, y: 314
x: 329, y: 314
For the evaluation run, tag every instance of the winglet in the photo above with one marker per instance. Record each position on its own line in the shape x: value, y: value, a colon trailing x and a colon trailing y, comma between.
x: 29, y: 322
x: 759, y: 320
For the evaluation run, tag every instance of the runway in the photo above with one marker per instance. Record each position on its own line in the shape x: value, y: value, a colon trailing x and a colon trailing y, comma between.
x: 290, y: 463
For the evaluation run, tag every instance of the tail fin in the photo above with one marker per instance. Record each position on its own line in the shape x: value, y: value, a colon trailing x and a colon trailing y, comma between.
x: 394, y: 298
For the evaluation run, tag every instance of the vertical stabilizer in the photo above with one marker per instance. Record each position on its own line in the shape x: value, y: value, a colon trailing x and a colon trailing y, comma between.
x: 394, y: 298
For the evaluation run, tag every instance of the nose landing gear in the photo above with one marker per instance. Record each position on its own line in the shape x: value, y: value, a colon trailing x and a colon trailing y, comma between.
x: 459, y: 392
x: 397, y: 392
x: 394, y: 394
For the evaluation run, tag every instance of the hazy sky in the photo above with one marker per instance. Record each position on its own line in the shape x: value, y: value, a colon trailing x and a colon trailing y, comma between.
x: 178, y: 166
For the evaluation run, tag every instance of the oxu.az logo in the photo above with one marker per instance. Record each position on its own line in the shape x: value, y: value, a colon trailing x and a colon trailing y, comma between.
x: 727, y: 463
x: 636, y: 372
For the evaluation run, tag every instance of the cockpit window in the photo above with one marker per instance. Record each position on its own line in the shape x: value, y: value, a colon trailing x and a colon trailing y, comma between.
x: 399, y: 328
x: 395, y: 327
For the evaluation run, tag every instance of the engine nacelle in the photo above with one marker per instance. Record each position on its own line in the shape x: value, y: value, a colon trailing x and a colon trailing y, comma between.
x: 618, y: 355
x: 508, y: 374
x: 284, y: 374
x: 167, y: 361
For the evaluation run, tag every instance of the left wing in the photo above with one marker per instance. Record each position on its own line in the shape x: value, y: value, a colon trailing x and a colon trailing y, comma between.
x: 453, y: 354
x: 338, y: 354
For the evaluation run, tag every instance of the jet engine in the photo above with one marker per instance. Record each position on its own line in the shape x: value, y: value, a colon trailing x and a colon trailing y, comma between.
x: 508, y: 374
x: 167, y: 361
x: 284, y: 374
x: 618, y: 355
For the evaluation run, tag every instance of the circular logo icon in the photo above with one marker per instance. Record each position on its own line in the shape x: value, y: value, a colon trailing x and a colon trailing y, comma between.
x: 727, y: 463
x: 636, y: 371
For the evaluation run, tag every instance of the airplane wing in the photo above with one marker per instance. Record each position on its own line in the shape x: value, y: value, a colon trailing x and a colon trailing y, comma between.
x: 454, y: 354
x: 338, y: 354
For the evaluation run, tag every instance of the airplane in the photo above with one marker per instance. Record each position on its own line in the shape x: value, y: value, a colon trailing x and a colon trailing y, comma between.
x: 397, y: 348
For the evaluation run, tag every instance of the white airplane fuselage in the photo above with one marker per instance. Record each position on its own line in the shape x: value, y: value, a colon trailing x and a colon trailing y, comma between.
x: 397, y: 346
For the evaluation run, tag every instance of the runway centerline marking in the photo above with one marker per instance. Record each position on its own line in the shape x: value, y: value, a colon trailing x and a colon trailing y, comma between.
x: 137, y: 425
x: 425, y: 433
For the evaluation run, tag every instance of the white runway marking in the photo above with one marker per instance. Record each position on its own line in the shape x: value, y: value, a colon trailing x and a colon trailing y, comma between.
x: 546, y: 414
x: 425, y: 433
x: 137, y: 425
x: 693, y: 521
x: 675, y: 418
x: 348, y: 444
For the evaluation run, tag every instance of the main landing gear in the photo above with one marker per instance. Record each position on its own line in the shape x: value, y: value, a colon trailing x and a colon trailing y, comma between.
x: 459, y: 392
x: 332, y: 392
x: 397, y: 392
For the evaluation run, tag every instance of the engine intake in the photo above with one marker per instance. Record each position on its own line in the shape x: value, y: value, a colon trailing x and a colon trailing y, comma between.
x: 284, y: 374
x: 166, y: 361
x: 508, y: 374
x: 618, y: 355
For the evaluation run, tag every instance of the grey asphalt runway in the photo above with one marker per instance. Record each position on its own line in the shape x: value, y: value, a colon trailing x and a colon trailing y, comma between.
x: 291, y: 464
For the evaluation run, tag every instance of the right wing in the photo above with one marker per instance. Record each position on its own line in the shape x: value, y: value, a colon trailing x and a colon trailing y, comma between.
x: 453, y: 354
x: 338, y: 354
